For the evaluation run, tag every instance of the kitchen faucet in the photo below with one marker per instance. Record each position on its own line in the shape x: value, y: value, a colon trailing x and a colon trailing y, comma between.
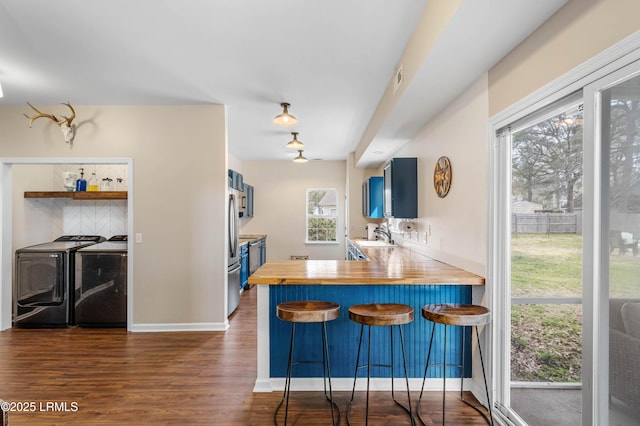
x: 385, y: 233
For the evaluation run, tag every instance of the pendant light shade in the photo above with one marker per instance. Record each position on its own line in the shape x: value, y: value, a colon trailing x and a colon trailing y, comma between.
x: 295, y: 143
x: 285, y: 119
x: 300, y: 158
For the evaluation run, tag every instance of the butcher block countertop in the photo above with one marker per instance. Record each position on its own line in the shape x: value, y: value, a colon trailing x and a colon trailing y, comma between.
x: 386, y: 265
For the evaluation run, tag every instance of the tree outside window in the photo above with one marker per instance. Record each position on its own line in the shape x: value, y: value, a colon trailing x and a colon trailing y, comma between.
x: 322, y: 215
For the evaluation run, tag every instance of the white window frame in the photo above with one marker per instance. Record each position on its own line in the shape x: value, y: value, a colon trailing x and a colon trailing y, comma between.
x: 309, y: 216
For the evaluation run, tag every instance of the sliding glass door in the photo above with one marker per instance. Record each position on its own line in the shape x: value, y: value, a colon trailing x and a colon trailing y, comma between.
x: 616, y: 228
x: 565, y: 267
x: 546, y: 265
x: 541, y: 292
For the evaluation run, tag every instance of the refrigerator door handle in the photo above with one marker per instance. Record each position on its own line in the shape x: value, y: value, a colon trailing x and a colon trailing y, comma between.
x: 233, y: 232
x: 234, y: 269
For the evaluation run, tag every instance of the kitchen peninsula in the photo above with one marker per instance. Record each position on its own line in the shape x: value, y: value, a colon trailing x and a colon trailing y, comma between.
x: 392, y: 274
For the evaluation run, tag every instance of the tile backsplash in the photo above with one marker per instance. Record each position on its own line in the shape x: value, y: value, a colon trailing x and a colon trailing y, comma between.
x: 102, y: 217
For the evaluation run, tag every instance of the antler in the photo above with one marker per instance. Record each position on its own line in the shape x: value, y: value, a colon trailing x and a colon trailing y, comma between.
x: 66, y: 120
x: 68, y: 129
x: 41, y: 114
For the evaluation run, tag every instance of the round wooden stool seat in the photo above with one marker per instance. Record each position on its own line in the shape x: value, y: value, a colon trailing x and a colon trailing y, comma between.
x: 381, y: 314
x: 457, y: 314
x: 308, y: 311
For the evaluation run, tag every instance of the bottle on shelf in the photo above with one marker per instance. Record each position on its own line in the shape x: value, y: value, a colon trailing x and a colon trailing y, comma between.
x: 93, y: 183
x: 81, y: 184
x: 106, y: 184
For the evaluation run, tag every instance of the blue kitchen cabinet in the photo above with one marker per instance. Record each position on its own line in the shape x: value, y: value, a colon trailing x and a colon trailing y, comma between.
x: 400, y: 198
x: 244, y: 265
x: 248, y: 191
x: 372, y: 195
x: 236, y: 180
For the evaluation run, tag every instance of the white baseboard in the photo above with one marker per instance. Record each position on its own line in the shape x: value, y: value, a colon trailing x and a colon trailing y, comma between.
x: 263, y: 385
x: 343, y: 384
x: 191, y: 326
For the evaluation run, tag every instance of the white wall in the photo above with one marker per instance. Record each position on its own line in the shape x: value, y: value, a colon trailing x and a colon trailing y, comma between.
x: 455, y: 225
x: 279, y: 205
x: 32, y: 219
x: 180, y: 185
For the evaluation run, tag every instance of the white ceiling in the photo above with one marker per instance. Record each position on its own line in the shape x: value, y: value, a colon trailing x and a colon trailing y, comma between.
x: 331, y: 59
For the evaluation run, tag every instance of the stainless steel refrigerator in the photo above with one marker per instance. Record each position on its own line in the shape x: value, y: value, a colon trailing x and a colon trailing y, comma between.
x: 233, y: 262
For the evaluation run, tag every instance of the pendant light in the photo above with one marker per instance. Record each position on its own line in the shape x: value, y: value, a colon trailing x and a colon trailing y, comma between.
x: 295, y: 143
x: 285, y: 119
x: 300, y: 158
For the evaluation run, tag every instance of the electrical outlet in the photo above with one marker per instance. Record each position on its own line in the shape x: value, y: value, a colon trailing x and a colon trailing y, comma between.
x: 138, y: 237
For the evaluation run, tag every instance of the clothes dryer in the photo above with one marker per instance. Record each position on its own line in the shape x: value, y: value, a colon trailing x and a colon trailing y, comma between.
x: 101, y: 284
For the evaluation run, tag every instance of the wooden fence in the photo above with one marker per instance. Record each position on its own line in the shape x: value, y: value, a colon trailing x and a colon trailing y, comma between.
x: 546, y: 223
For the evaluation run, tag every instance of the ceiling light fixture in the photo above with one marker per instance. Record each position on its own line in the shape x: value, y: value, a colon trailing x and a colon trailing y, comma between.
x: 295, y: 143
x: 285, y: 119
x: 300, y: 158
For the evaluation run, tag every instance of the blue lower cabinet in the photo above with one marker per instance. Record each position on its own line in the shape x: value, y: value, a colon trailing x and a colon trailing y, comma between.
x: 244, y: 265
x: 343, y: 334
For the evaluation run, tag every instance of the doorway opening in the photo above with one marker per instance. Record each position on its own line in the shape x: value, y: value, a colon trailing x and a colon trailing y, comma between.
x: 7, y: 207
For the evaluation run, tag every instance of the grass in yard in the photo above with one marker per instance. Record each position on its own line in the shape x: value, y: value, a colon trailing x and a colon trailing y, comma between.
x: 546, y: 340
x: 546, y: 265
x: 546, y: 343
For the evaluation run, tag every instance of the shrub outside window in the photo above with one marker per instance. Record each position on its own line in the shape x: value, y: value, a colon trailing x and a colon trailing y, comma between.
x: 322, y: 215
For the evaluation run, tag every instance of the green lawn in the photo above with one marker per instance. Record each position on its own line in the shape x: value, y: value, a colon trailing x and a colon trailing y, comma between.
x: 546, y: 340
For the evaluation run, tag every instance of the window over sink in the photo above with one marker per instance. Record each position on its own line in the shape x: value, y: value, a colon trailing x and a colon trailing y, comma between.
x: 322, y: 215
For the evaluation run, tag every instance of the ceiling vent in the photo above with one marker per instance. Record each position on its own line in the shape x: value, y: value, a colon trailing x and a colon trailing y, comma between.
x: 398, y: 78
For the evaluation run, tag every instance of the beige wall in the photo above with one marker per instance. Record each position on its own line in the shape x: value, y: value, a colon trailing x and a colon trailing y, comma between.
x: 180, y: 178
x: 577, y: 32
x: 355, y: 177
x: 279, y: 205
x: 455, y: 225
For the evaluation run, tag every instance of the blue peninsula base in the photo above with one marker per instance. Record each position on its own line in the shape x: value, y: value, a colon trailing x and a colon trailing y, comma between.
x: 343, y: 335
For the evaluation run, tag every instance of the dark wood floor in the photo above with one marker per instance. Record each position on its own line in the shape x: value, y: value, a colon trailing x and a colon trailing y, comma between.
x: 111, y: 377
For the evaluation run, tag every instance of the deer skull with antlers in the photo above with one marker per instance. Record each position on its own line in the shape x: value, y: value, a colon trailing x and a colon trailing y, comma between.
x: 68, y: 129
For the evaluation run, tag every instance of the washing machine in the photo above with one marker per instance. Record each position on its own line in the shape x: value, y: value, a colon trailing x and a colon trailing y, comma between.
x: 43, y: 281
x: 101, y: 284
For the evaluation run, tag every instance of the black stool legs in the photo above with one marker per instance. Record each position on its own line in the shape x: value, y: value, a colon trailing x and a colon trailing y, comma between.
x: 368, y: 366
x: 326, y: 374
x: 444, y: 373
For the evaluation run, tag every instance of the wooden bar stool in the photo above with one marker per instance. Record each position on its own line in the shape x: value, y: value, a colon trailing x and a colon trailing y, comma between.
x: 380, y: 314
x: 309, y: 311
x: 459, y: 315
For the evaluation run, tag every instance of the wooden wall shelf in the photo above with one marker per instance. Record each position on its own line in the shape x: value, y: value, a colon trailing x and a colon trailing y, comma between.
x: 92, y: 195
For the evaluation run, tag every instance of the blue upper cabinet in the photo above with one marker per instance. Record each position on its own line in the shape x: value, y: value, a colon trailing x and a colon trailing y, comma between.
x: 401, y: 188
x: 372, y: 193
x: 235, y: 180
x: 248, y: 192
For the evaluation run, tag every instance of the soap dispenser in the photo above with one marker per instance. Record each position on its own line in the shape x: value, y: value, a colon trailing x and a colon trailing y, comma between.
x: 93, y: 183
x: 81, y: 184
